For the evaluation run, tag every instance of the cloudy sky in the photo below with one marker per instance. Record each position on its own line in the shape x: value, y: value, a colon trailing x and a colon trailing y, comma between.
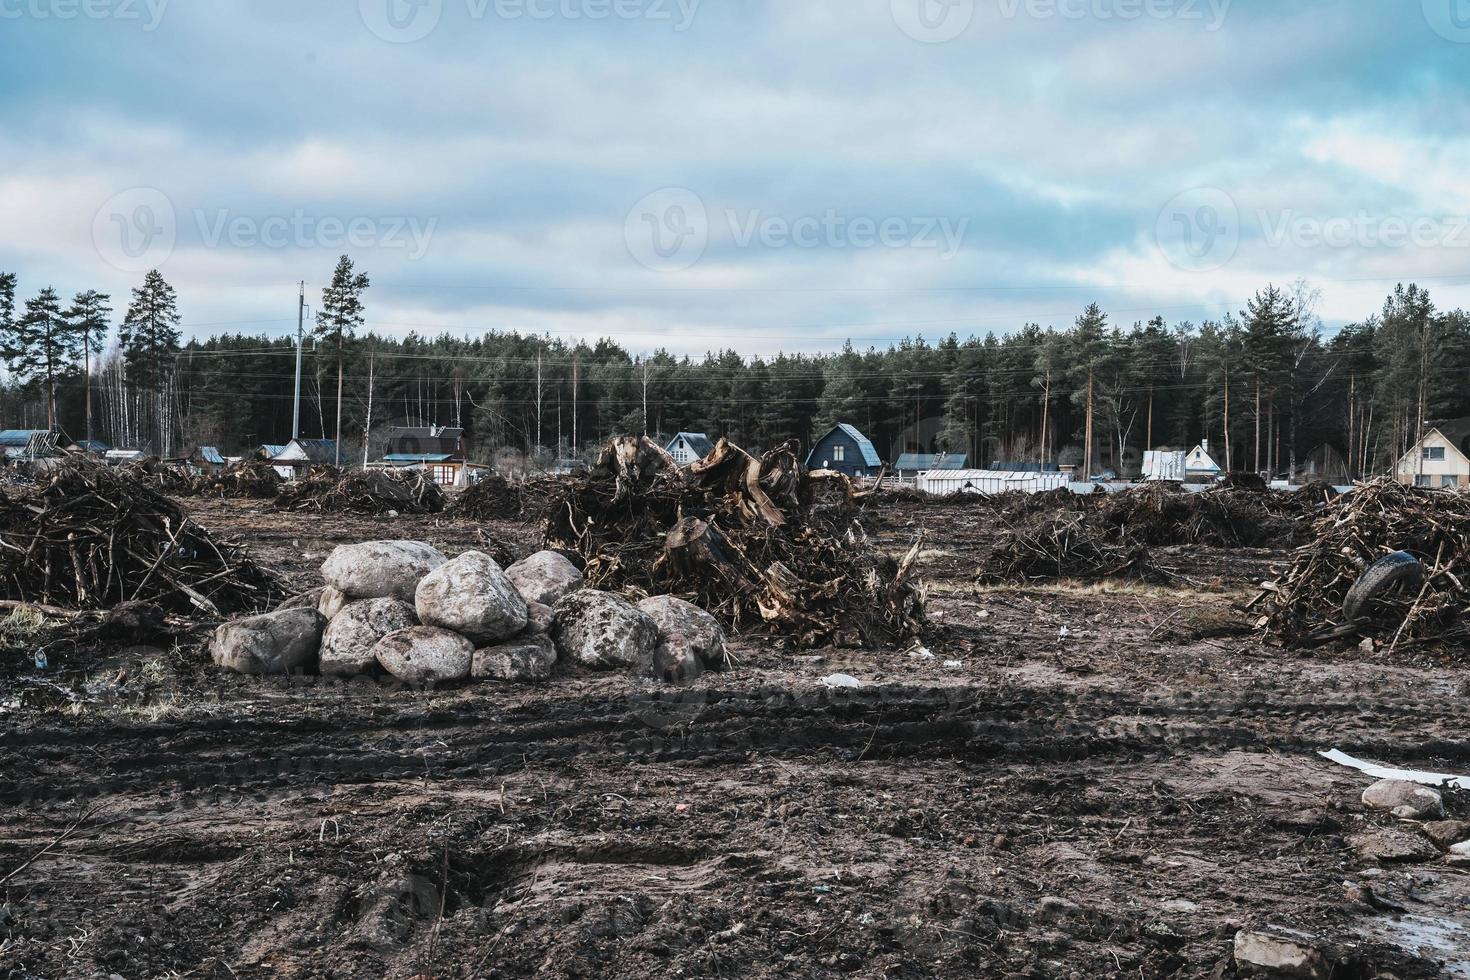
x: 763, y: 174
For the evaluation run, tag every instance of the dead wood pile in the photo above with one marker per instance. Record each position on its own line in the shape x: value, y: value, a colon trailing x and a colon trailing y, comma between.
x: 87, y: 537
x: 169, y: 478
x: 1304, y: 606
x: 1221, y: 517
x: 1064, y: 545
x: 494, y: 498
x: 752, y: 540
x: 249, y: 480
x: 367, y: 493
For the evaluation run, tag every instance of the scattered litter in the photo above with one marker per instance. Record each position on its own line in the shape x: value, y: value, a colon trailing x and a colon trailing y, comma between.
x: 1436, y: 779
x: 841, y: 680
x: 954, y: 664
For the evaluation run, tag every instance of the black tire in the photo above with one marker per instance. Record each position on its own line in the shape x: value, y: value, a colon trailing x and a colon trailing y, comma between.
x: 1397, y: 569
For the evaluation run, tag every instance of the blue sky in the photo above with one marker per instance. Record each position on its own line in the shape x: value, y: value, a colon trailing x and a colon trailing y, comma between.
x: 699, y: 174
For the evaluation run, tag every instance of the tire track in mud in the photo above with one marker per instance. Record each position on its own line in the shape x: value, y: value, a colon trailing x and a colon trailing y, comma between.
x: 697, y: 727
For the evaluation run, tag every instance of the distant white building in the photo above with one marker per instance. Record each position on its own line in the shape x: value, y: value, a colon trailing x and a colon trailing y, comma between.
x: 1200, y: 466
x: 688, y: 448
x: 1435, y: 461
x: 1164, y: 466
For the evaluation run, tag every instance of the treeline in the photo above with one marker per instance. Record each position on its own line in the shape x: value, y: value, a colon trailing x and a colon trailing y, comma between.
x: 1264, y: 385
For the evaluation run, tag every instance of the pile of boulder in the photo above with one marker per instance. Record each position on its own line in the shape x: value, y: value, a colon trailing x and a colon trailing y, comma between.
x: 404, y: 609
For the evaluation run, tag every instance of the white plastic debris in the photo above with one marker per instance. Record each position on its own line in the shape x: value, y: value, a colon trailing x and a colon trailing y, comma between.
x: 1407, y: 775
x: 954, y: 664
x: 841, y: 680
x: 923, y: 653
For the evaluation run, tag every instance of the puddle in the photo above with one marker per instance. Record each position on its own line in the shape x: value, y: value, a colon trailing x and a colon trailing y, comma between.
x: 1433, y: 937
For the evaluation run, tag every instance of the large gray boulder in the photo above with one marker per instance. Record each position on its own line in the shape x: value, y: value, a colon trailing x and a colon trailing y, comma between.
x: 425, y: 655
x: 473, y: 597
x: 529, y: 658
x: 599, y: 630
x: 347, y: 645
x: 687, y: 632
x: 381, y: 569
x: 275, y: 643
x: 545, y: 577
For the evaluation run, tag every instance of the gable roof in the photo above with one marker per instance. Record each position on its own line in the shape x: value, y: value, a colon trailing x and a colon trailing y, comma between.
x: 211, y: 455
x: 1412, y: 456
x: 315, y: 450
x: 870, y: 455
x: 932, y: 461
x: 698, y: 441
x: 270, y: 450
x: 1199, y: 460
x: 421, y: 440
x: 19, y: 438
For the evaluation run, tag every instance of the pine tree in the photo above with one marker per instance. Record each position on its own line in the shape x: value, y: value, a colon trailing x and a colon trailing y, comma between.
x: 41, y: 346
x: 340, y: 316
x: 7, y: 307
x: 88, y: 318
x: 1089, y: 348
x: 149, y: 339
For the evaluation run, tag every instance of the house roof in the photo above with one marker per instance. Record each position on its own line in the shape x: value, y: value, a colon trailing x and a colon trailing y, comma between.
x: 18, y: 438
x: 1199, y: 460
x: 92, y: 446
x: 1000, y: 466
x: 417, y: 440
x: 270, y: 449
x: 211, y: 455
x: 315, y: 450
x: 870, y: 455
x: 698, y: 441
x: 1413, y: 454
x: 932, y: 461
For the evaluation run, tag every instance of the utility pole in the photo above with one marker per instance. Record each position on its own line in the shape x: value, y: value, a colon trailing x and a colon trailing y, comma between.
x: 300, y: 334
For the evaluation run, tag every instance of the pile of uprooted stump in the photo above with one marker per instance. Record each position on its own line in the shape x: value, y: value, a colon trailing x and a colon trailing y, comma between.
x: 248, y: 480
x: 366, y: 493
x: 1387, y: 562
x: 86, y: 537
x: 494, y: 498
x: 761, y: 542
x: 401, y: 609
x: 1058, y: 534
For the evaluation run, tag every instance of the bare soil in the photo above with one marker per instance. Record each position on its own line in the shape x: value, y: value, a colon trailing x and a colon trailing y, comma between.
x: 1062, y: 781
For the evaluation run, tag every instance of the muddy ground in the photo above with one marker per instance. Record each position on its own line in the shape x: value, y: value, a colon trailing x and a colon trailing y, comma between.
x: 1064, y: 781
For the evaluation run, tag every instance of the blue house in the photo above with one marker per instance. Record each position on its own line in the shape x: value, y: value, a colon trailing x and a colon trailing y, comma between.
x: 845, y: 450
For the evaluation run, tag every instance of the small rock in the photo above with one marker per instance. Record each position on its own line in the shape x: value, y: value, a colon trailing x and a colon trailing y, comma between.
x: 599, y: 630
x: 1279, y: 955
x: 529, y: 658
x: 1392, y: 846
x: 688, y: 630
x: 1309, y: 821
x: 473, y: 597
x: 1061, y: 913
x: 381, y: 569
x: 425, y: 655
x: 1406, y: 800
x: 545, y: 577
x: 275, y: 643
x: 676, y: 661
x: 347, y: 645
x: 1447, y: 833
x: 841, y: 680
x: 333, y: 601
x: 539, y: 617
